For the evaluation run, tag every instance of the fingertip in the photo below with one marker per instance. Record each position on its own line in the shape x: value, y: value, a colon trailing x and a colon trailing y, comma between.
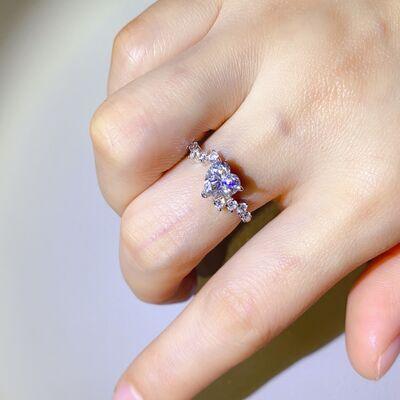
x: 389, y: 356
x: 361, y: 335
x: 125, y: 391
x: 373, y: 318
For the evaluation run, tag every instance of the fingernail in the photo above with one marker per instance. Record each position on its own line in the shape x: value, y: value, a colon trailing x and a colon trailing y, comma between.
x: 386, y: 360
x: 125, y: 391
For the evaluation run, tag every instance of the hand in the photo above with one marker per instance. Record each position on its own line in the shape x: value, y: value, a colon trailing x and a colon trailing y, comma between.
x: 304, y: 99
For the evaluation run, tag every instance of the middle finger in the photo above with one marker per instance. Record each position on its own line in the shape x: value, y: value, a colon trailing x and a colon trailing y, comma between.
x: 144, y: 128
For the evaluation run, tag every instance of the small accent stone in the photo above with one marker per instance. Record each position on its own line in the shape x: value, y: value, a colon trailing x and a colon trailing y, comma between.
x: 202, y: 157
x: 241, y: 209
x: 246, y: 217
x: 213, y: 156
x: 195, y: 151
x: 220, y: 203
x: 231, y: 205
x: 194, y: 155
x: 194, y: 146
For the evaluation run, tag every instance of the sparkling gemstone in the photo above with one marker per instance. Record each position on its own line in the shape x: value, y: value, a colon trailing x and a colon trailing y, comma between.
x: 245, y: 217
x: 220, y: 183
x: 213, y: 156
x: 203, y: 157
x: 194, y: 146
x: 224, y: 182
x: 241, y: 208
x: 195, y: 151
x: 218, y: 170
x: 231, y: 205
x: 230, y: 184
x: 219, y: 203
x: 211, y: 188
x: 194, y: 155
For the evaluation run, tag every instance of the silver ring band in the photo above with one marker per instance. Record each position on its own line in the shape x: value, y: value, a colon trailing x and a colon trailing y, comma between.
x: 220, y: 183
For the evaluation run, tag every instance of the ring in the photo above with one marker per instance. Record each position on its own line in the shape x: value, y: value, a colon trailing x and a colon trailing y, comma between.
x: 220, y: 183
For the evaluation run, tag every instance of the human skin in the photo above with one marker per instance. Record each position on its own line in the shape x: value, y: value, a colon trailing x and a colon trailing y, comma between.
x: 303, y: 98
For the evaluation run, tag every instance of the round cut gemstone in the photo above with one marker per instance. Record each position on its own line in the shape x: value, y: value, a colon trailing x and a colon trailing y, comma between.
x: 213, y: 156
x: 246, y: 217
x: 241, y: 208
x: 231, y: 205
x: 202, y: 157
x: 220, y: 203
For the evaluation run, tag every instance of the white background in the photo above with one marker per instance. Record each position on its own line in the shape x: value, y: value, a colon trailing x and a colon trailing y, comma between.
x: 68, y: 323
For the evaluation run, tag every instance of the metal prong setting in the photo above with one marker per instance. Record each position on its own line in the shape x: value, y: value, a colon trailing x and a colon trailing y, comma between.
x: 220, y: 183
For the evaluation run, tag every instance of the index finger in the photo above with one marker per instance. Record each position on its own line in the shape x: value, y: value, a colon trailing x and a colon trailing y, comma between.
x: 263, y: 288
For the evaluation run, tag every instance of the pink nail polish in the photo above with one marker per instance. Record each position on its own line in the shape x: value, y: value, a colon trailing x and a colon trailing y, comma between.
x: 389, y: 356
x: 125, y: 391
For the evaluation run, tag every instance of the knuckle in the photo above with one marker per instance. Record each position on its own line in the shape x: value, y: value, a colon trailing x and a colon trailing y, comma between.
x: 128, y: 42
x: 145, y: 249
x: 375, y: 180
x: 105, y: 132
x: 133, y: 248
x: 369, y: 189
x: 120, y: 40
x: 343, y: 65
x: 236, y: 309
x: 116, y: 133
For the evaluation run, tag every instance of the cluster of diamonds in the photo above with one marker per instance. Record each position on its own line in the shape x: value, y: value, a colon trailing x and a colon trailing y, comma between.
x: 220, y: 183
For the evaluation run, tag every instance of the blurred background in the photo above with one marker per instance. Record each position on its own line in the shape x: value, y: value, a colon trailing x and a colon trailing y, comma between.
x: 68, y: 323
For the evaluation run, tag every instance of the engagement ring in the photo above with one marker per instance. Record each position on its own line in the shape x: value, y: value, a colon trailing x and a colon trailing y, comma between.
x: 220, y: 183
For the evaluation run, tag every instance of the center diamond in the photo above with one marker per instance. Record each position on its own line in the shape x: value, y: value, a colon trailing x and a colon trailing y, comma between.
x: 220, y: 181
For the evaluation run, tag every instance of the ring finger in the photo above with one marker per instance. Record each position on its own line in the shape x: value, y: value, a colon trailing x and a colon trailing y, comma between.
x: 162, y: 231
